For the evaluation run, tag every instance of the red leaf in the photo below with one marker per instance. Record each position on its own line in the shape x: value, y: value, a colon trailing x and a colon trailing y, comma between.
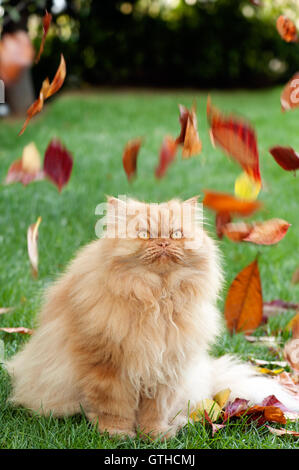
x: 46, y: 25
x: 47, y: 90
x: 286, y: 157
x: 286, y: 29
x: 58, y: 163
x: 130, y: 157
x: 167, y: 155
x: 215, y: 427
x: 235, y: 408
x: 19, y: 329
x: 289, y: 98
x: 224, y: 202
x: 237, y: 138
x: 222, y: 219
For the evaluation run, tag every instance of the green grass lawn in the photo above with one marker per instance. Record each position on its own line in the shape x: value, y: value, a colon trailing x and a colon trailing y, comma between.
x: 95, y: 127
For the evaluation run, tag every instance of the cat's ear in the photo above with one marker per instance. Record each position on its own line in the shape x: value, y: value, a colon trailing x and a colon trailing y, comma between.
x: 115, y: 202
x: 192, y: 201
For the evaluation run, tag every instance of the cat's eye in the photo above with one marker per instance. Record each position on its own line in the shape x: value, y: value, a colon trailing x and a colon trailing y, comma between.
x: 143, y: 234
x: 177, y: 235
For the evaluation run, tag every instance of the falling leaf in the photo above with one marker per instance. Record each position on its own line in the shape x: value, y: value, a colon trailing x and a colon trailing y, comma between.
x: 222, y: 219
x: 286, y: 157
x: 224, y: 202
x: 295, y: 277
x: 282, y: 431
x: 46, y: 25
x: 189, y: 137
x: 19, y: 329
x: 222, y: 397
x: 26, y: 169
x: 247, y: 188
x: 237, y: 138
x: 184, y: 114
x: 6, y: 310
x: 48, y: 89
x: 16, y: 54
x: 130, y: 157
x: 58, y: 164
x: 237, y: 231
x: 167, y: 155
x: 244, y: 303
x: 207, y: 405
x: 286, y: 29
x: 268, y: 232
x: 32, y: 238
x: 289, y: 98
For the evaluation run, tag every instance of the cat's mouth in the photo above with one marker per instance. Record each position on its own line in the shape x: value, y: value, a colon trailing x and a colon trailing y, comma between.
x: 161, y: 256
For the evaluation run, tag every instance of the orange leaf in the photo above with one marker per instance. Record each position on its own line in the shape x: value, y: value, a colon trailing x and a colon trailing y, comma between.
x: 268, y: 232
x: 130, y: 157
x: 19, y: 329
x: 46, y: 25
x: 32, y: 237
x: 244, y: 302
x: 289, y: 97
x: 192, y: 143
x: 167, y: 155
x: 224, y: 202
x: 237, y: 231
x: 47, y: 90
x: 236, y: 137
x: 26, y: 169
x: 286, y: 29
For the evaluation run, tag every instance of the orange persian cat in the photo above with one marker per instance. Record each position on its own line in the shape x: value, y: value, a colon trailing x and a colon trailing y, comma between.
x: 125, y: 332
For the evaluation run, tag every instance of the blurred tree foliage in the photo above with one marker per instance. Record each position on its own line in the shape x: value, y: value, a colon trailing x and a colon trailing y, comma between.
x: 194, y: 43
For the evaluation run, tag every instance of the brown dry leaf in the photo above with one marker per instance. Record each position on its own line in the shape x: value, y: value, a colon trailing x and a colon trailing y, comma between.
x: 16, y: 53
x: 237, y: 231
x: 269, y: 232
x: 189, y: 137
x: 289, y: 98
x: 6, y: 310
x: 244, y: 302
x: 32, y: 238
x: 222, y: 219
x: 282, y: 431
x: 276, y: 307
x: 46, y: 25
x: 130, y: 155
x: 48, y: 89
x: 19, y: 329
x: 167, y: 155
x: 295, y: 278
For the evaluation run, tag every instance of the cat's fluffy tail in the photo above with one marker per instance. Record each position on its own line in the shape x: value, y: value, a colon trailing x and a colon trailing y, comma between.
x: 245, y: 382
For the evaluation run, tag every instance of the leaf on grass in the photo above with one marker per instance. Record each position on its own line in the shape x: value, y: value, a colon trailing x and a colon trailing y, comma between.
x: 282, y: 431
x: 286, y: 157
x: 130, y: 155
x: 222, y: 219
x: 222, y: 397
x: 16, y: 53
x: 215, y: 427
x: 289, y: 98
x: 236, y: 137
x: 6, y: 310
x: 269, y: 340
x: 19, y: 329
x: 235, y: 408
x: 167, y: 155
x: 47, y: 18
x: 244, y: 302
x: 58, y: 163
x: 48, y: 89
x: 247, y: 188
x: 294, y: 325
x: 286, y: 29
x: 209, y: 406
x: 224, y: 202
x: 32, y: 238
x: 26, y: 169
x: 262, y: 362
x: 260, y: 413
x: 288, y: 381
x: 265, y: 370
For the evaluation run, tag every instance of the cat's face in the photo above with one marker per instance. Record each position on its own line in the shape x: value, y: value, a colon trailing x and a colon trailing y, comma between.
x: 156, y: 236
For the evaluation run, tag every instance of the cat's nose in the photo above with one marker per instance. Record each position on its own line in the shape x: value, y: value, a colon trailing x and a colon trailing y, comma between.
x: 163, y: 243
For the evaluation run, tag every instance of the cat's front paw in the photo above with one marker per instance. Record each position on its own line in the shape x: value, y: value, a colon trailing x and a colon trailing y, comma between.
x: 157, y: 431
x: 115, y: 426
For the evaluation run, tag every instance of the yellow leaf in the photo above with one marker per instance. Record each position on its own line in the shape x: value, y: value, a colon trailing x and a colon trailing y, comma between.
x: 31, y: 159
x: 247, y: 188
x: 208, y: 405
x: 222, y: 397
x: 264, y: 370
